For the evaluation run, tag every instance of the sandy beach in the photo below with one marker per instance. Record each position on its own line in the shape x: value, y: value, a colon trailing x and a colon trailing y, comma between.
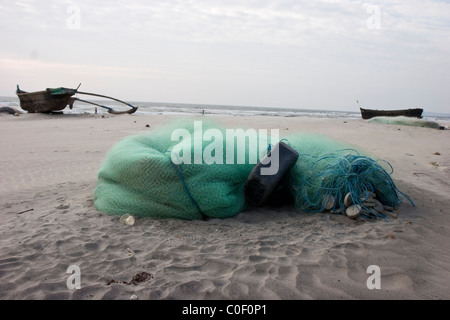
x: 48, y: 172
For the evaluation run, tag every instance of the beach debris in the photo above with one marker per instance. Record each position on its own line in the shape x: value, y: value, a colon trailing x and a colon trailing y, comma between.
x: 130, y: 252
x: 24, y: 211
x: 138, y: 278
x: 436, y: 154
x: 127, y: 219
x: 434, y: 163
x: 417, y: 174
x: 141, y: 277
x: 134, y: 297
x: 147, y: 126
x: 10, y: 110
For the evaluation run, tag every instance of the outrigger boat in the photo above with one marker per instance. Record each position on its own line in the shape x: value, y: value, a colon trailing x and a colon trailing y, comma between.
x: 54, y: 100
x: 370, y: 113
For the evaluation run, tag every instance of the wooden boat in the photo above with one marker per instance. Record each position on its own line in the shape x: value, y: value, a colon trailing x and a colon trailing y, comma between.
x: 54, y: 100
x: 370, y: 113
x: 46, y: 101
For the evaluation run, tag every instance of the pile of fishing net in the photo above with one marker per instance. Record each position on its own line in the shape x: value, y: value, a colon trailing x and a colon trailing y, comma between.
x: 407, y: 121
x: 139, y: 177
x: 143, y: 175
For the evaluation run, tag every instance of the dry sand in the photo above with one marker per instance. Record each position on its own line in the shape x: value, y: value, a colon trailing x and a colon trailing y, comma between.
x: 49, y: 165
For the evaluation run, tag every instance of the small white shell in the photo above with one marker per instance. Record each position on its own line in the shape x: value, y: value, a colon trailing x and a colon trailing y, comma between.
x: 127, y: 219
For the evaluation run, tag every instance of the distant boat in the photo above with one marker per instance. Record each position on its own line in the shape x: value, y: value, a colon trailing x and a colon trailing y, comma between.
x: 54, y: 100
x: 370, y: 113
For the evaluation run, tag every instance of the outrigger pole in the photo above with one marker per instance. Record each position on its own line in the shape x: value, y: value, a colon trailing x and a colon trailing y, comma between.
x: 110, y: 110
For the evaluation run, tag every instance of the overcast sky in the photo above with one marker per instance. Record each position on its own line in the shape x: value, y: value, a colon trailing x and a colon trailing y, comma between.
x: 321, y: 54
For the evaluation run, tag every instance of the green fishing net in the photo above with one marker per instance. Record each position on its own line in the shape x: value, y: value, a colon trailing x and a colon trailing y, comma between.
x: 142, y: 175
x: 407, y: 121
x: 139, y: 177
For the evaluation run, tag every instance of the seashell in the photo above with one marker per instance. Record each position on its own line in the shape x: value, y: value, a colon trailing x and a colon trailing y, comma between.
x: 130, y: 252
x: 127, y: 219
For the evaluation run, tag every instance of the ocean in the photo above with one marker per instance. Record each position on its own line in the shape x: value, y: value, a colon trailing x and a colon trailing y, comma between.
x: 167, y: 108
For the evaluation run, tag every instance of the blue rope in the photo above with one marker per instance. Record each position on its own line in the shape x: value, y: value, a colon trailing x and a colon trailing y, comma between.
x: 338, y: 175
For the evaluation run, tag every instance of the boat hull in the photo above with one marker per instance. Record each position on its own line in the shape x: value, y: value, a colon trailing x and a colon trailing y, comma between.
x: 45, y: 101
x: 370, y: 113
